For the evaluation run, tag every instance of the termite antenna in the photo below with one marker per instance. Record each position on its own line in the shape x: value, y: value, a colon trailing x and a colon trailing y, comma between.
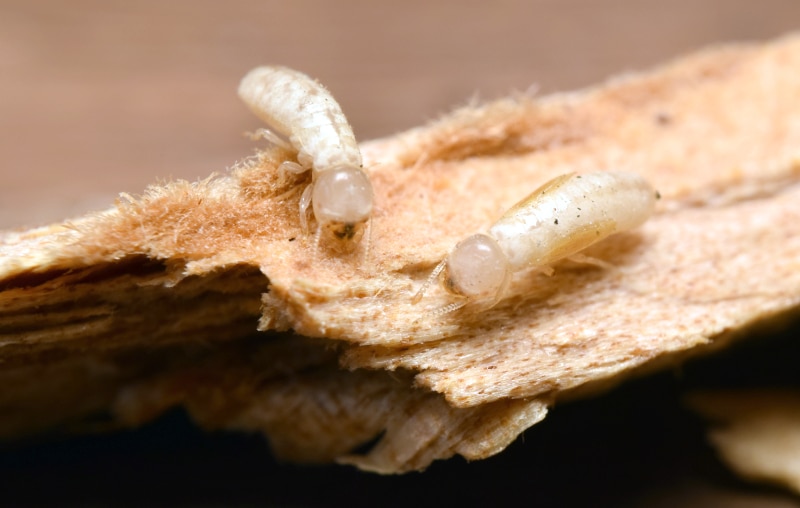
x: 442, y: 311
x: 432, y: 277
x: 367, y: 242
x: 447, y: 309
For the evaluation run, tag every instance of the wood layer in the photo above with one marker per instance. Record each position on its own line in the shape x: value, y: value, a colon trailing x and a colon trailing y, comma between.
x: 195, y: 265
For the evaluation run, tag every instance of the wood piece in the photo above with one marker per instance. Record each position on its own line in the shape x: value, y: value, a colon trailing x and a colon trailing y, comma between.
x: 756, y: 432
x: 186, y: 262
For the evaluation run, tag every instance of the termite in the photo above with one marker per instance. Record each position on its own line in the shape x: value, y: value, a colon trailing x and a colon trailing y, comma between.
x: 558, y: 220
x: 299, y: 108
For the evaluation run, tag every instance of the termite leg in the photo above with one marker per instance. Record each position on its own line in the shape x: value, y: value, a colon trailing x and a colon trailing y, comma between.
x: 305, y: 202
x: 271, y: 137
x: 292, y: 167
x: 502, y: 290
x: 288, y: 194
x: 589, y: 260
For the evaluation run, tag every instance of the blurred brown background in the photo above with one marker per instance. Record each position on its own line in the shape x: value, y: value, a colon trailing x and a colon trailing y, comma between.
x: 99, y: 97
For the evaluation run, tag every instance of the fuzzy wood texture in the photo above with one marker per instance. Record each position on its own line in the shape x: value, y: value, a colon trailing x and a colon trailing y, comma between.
x: 184, y: 266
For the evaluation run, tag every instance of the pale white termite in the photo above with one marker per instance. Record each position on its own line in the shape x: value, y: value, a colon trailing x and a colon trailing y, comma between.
x: 298, y: 107
x: 558, y: 220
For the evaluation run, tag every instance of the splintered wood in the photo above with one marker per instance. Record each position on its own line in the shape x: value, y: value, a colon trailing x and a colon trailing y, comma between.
x: 158, y: 299
x: 756, y: 432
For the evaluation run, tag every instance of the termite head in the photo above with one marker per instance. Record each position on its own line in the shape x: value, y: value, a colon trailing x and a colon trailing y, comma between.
x: 477, y: 269
x: 342, y: 201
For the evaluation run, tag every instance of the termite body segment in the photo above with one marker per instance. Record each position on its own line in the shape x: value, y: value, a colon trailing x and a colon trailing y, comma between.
x: 558, y: 220
x: 296, y: 106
